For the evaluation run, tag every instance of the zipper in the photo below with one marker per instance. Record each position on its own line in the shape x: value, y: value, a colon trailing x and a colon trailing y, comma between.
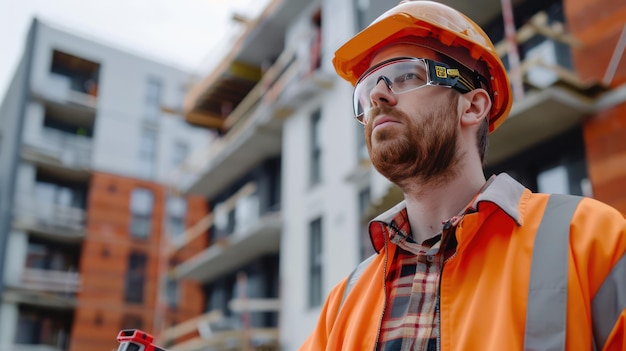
x: 446, y: 227
x: 382, y: 315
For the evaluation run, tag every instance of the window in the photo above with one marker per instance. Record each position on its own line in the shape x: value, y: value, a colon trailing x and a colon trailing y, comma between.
x: 180, y: 99
x: 147, y: 153
x: 557, y: 165
x: 153, y: 99
x: 135, y: 277
x: 42, y: 326
x: 176, y: 211
x: 361, y: 7
x: 315, y: 263
x: 179, y: 154
x: 79, y: 73
x: 172, y: 293
x: 569, y: 176
x: 141, y: 206
x: 316, y: 149
x: 219, y: 293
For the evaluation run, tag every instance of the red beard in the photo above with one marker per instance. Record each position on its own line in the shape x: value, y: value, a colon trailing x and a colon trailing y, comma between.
x: 422, y: 149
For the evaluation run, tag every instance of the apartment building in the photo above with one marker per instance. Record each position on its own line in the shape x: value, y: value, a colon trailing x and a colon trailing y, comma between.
x: 91, y: 141
x: 289, y: 182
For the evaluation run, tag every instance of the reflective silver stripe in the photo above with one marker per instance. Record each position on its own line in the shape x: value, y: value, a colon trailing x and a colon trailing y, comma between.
x: 547, y: 293
x: 354, y: 276
x: 608, y: 303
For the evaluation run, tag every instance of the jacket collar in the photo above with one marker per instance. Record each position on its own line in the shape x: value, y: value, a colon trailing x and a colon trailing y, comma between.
x: 502, y: 190
x: 505, y: 192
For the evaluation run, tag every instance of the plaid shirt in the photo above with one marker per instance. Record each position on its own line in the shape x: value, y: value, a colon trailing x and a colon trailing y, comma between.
x: 411, y: 316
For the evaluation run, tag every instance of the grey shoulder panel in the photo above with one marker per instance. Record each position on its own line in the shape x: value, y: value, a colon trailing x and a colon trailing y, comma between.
x: 354, y: 276
x: 609, y: 302
x: 547, y: 295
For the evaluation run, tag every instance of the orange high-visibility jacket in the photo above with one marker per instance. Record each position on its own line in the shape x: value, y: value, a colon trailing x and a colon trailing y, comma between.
x: 507, y: 287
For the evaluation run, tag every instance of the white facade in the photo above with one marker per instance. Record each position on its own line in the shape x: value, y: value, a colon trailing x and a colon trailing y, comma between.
x: 120, y: 108
x: 334, y: 199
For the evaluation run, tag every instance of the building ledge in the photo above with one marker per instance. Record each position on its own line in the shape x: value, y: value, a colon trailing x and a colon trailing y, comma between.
x: 236, y: 154
x: 55, y: 165
x: 38, y: 298
x: 260, y: 338
x: 56, y: 233
x: 234, y: 251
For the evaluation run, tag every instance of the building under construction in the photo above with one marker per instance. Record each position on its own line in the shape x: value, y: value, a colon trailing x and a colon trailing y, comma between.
x: 289, y: 184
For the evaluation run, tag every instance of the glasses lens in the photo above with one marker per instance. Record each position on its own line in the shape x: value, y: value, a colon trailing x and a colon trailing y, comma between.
x: 399, y: 75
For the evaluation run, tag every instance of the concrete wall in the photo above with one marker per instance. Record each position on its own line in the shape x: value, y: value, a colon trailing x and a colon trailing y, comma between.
x: 8, y: 320
x: 12, y: 105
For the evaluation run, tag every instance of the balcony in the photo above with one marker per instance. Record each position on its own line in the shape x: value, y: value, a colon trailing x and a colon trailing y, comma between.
x: 248, y: 107
x: 59, y: 150
x: 45, y: 288
x: 217, y: 332
x: 254, y: 133
x: 253, y: 235
x: 42, y: 329
x: 56, y: 222
x: 72, y: 84
x: 58, y: 90
x: 43, y: 280
x: 255, y: 126
x: 231, y: 252
x: 555, y: 99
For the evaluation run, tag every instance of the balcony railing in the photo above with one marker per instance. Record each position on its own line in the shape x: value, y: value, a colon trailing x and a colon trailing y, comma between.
x: 62, y: 89
x: 67, y: 149
x: 540, y: 60
x: 257, y: 118
x: 256, y: 103
x: 50, y: 281
x: 241, y: 199
x: 47, y: 216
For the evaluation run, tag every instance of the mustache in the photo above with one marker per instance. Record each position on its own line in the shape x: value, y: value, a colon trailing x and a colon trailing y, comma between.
x: 385, y: 110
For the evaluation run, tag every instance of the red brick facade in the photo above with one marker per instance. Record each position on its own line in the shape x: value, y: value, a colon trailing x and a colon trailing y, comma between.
x: 598, y: 24
x: 102, y: 309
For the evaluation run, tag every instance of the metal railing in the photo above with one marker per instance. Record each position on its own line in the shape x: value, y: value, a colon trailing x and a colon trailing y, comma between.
x: 50, y: 280
x: 67, y: 149
x: 223, y: 333
x: 541, y: 68
x: 34, y: 213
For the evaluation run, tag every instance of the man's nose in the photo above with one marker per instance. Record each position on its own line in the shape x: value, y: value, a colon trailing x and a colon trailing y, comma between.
x: 382, y: 94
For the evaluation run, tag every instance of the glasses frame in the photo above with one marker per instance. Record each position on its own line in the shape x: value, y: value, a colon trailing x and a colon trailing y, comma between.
x: 437, y: 74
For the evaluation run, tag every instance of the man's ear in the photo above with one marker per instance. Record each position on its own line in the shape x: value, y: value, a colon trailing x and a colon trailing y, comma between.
x: 474, y: 105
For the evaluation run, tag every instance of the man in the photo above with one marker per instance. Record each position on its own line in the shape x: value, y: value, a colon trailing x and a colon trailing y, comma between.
x: 464, y: 263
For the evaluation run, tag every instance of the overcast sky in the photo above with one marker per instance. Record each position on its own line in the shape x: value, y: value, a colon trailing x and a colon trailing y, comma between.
x: 176, y: 32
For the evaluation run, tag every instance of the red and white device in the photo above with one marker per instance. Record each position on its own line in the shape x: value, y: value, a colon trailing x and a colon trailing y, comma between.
x: 136, y: 340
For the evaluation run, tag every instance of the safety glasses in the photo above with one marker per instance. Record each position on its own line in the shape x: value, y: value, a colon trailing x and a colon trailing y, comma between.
x: 402, y: 75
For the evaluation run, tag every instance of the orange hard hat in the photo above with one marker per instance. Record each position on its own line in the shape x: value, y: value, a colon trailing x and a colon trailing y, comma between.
x: 440, y: 28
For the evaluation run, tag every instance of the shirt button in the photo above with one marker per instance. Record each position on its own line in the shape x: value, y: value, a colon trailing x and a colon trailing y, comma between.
x: 430, y: 258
